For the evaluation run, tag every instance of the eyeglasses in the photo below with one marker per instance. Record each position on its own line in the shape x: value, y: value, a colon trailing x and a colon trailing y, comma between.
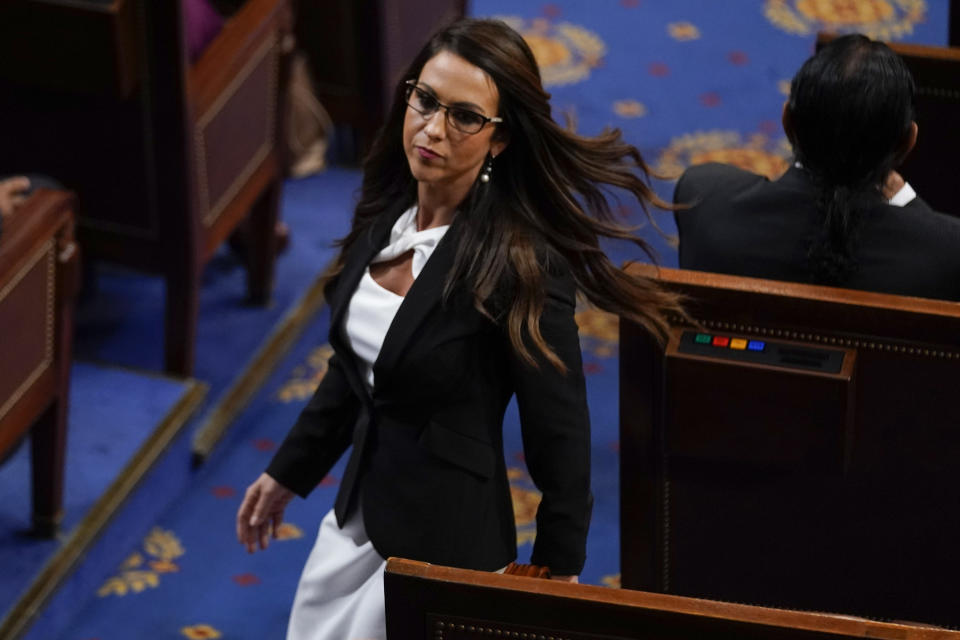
x: 461, y: 118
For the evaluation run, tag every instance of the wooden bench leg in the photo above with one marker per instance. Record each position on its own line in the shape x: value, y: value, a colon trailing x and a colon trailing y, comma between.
x: 182, y: 307
x: 48, y: 441
x: 263, y: 244
x: 48, y: 437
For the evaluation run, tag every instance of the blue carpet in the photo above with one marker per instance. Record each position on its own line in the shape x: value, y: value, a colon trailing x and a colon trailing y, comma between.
x: 121, y: 326
x: 190, y: 570
x: 106, y: 428
x: 687, y: 81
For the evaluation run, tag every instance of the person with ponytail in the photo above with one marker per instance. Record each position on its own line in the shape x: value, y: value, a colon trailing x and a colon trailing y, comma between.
x: 841, y: 215
x: 479, y: 219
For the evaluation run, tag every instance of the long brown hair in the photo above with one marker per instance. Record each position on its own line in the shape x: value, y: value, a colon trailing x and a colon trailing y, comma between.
x: 545, y: 206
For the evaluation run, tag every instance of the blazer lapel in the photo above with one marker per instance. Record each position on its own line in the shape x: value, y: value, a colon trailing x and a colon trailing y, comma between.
x: 423, y: 296
x: 364, y: 249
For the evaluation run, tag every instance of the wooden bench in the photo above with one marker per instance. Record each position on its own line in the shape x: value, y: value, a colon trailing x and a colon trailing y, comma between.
x: 823, y: 477
x: 427, y: 602
x: 38, y: 282
x: 167, y: 159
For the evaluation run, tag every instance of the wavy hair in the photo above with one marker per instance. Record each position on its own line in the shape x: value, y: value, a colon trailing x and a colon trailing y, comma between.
x: 851, y: 106
x: 545, y: 207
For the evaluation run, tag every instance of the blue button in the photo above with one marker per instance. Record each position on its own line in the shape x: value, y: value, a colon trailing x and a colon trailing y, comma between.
x: 756, y: 345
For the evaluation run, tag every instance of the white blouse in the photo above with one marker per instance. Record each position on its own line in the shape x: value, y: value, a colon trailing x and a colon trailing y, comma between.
x: 372, y: 307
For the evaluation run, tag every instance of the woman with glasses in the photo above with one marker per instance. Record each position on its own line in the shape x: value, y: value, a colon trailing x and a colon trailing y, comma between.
x: 479, y: 219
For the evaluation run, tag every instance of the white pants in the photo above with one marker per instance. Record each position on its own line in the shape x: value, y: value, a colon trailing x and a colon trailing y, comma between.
x: 340, y: 595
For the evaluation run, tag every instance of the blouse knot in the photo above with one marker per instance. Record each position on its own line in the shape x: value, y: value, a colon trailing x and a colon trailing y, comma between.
x: 404, y: 237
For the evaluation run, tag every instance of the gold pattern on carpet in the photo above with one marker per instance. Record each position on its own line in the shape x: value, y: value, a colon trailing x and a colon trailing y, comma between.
x: 878, y: 19
x: 287, y: 531
x: 306, y: 377
x: 200, y: 632
x: 629, y: 108
x: 565, y: 52
x: 599, y: 332
x: 612, y: 581
x: 756, y: 152
x: 683, y: 31
x: 142, y: 571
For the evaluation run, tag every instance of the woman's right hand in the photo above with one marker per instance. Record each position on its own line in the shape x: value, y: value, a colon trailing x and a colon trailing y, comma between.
x: 261, y: 512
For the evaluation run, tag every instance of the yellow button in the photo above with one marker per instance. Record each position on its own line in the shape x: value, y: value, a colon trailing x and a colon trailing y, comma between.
x: 738, y: 343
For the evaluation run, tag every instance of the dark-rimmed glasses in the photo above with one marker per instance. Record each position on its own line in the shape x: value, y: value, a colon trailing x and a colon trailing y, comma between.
x: 460, y: 118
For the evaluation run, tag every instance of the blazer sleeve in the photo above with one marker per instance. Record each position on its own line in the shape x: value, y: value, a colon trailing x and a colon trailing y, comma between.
x: 688, y: 193
x: 555, y: 428
x: 683, y: 192
x: 321, y: 434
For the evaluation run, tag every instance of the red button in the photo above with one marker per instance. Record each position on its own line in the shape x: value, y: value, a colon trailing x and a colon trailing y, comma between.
x: 721, y: 341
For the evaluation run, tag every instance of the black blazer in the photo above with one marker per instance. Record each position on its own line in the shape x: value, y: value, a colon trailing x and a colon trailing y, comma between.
x: 428, y: 442
x: 744, y: 224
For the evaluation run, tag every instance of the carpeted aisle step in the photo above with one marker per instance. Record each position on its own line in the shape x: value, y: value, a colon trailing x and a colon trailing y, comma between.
x: 112, y: 440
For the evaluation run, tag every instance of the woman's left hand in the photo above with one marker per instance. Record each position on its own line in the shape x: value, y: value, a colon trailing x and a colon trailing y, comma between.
x: 571, y: 579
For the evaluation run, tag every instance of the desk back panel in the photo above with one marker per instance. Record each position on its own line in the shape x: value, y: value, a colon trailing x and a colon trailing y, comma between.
x: 811, y: 491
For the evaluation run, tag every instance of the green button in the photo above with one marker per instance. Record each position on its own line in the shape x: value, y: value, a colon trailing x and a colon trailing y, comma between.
x: 702, y: 338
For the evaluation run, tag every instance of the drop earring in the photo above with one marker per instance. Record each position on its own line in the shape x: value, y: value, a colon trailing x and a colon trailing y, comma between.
x: 487, y: 170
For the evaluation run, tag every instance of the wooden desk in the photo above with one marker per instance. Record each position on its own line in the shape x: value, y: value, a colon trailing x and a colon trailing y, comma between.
x: 430, y: 602
x: 38, y: 282
x: 807, y: 489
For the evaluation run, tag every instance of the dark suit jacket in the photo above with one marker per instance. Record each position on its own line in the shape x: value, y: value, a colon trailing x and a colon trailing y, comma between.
x: 743, y: 224
x: 428, y: 442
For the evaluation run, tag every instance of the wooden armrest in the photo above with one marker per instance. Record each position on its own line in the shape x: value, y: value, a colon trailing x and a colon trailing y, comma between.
x: 243, y: 35
x: 233, y: 95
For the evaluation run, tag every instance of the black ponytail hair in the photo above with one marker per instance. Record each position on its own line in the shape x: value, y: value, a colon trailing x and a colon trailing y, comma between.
x: 851, y: 108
